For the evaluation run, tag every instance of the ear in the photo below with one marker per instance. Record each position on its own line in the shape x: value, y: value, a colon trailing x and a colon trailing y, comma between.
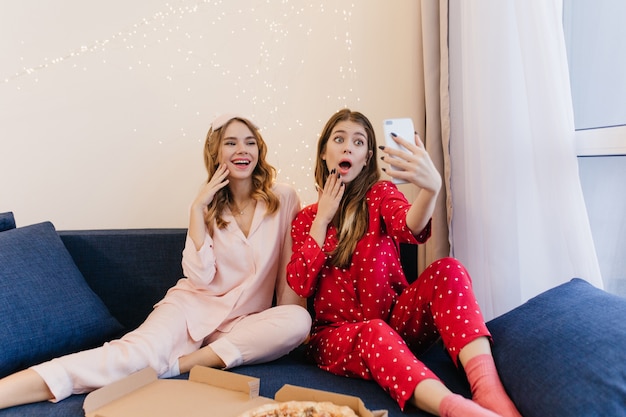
x: 369, y: 156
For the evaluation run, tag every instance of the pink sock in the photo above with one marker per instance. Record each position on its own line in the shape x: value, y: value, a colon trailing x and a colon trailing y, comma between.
x: 455, y: 405
x: 487, y: 389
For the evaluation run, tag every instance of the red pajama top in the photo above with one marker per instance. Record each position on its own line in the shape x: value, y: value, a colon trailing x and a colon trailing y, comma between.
x: 370, y: 286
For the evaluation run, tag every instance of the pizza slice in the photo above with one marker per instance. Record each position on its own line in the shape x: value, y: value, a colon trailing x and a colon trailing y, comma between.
x: 300, y: 409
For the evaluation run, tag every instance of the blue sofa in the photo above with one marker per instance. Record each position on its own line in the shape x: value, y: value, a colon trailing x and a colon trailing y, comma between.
x: 559, y: 354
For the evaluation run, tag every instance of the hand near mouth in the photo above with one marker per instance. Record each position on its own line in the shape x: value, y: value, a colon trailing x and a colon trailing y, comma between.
x: 327, y: 204
x: 218, y: 181
x: 199, y: 207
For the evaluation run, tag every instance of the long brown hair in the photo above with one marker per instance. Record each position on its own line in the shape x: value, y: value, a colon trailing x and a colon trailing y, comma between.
x: 263, y: 175
x: 351, y: 218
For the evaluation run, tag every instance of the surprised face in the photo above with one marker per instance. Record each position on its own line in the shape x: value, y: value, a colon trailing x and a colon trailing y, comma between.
x: 346, y: 150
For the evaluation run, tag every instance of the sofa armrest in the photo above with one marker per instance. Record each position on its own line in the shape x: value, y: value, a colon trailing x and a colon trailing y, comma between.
x: 129, y: 269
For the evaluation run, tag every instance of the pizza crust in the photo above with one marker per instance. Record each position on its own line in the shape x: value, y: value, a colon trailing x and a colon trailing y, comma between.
x: 300, y: 409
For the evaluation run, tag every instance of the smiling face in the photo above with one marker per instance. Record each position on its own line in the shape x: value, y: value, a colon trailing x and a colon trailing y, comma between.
x: 347, y: 150
x: 239, y: 150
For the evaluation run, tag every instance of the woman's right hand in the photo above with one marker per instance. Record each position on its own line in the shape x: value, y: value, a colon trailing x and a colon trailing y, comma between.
x: 218, y: 181
x: 327, y: 205
x: 199, y: 207
x: 329, y: 197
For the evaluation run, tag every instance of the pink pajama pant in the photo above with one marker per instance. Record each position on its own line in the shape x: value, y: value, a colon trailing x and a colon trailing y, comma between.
x: 440, y: 303
x: 163, y: 338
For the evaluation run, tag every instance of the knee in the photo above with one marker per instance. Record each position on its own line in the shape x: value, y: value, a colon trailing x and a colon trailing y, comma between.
x: 297, y: 318
x: 449, y: 267
x: 447, y: 262
x: 303, y: 317
x: 375, y: 329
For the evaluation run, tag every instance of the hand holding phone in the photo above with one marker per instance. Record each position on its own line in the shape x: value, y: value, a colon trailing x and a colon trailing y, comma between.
x: 402, y: 127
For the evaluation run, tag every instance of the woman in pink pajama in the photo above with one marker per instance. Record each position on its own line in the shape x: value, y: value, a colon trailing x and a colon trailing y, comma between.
x: 369, y: 322
x: 220, y: 314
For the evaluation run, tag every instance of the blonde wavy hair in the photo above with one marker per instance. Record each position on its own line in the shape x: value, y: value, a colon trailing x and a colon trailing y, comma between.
x: 352, y: 217
x: 263, y: 176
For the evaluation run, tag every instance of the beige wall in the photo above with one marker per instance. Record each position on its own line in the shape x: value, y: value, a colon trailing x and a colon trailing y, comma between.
x: 104, y: 106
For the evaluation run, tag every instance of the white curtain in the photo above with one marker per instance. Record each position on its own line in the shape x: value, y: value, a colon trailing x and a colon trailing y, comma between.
x: 519, y: 221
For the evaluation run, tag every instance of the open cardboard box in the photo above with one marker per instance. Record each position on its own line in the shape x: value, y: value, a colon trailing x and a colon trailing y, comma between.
x: 208, y: 392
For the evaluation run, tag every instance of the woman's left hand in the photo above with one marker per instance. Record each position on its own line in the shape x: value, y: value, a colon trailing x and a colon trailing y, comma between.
x: 413, y: 165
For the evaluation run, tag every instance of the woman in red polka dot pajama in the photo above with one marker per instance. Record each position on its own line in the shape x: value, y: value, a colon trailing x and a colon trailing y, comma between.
x: 369, y: 322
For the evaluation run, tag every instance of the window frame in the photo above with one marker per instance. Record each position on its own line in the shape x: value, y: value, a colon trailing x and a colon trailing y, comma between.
x: 602, y: 141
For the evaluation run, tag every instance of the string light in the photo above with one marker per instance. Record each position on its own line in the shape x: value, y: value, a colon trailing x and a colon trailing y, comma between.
x: 256, y: 54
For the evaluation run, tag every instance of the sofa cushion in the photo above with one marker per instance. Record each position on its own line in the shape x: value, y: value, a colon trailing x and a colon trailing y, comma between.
x: 562, y: 352
x: 7, y: 221
x: 46, y: 307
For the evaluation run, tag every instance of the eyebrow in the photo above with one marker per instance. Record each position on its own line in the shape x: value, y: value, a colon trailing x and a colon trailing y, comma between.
x: 236, y: 138
x: 344, y: 132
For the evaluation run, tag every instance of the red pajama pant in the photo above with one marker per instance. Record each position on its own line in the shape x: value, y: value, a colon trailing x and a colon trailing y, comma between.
x: 439, y: 303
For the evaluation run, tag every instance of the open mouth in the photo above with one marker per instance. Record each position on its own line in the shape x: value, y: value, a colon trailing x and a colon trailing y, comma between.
x: 241, y: 162
x: 345, y: 165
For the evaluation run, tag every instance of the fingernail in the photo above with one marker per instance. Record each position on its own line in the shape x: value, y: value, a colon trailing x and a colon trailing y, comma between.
x: 384, y: 169
x: 333, y: 171
x: 394, y: 135
x: 381, y: 147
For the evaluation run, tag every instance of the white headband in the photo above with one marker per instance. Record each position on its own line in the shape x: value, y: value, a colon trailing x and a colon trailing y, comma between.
x: 222, y: 119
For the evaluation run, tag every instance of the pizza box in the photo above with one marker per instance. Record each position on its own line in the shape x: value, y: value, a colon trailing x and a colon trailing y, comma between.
x: 208, y: 392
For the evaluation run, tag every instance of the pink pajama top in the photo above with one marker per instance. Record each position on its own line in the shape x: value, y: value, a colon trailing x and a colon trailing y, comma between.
x: 232, y: 275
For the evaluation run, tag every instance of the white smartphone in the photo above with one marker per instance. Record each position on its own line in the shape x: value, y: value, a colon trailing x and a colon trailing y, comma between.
x: 402, y: 127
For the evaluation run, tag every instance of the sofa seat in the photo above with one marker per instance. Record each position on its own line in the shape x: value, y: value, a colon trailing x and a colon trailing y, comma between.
x: 559, y: 354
